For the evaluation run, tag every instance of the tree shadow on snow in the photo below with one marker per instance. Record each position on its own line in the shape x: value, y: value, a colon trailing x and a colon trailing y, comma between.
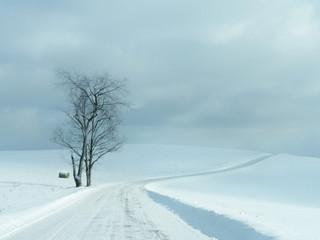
x: 208, y: 222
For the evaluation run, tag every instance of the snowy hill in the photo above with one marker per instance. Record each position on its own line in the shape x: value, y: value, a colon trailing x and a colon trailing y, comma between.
x: 279, y: 196
x: 276, y: 195
x: 34, y: 174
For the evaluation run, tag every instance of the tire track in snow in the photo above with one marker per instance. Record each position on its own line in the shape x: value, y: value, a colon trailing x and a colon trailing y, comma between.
x: 215, y: 225
x: 121, y: 211
x: 216, y: 171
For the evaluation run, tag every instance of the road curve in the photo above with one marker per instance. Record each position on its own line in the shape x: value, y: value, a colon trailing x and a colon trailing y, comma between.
x: 117, y: 212
x: 121, y: 211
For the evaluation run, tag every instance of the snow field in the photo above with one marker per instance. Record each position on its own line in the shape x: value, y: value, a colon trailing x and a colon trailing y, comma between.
x: 279, y: 196
x: 16, y: 221
x: 30, y: 188
x: 30, y: 178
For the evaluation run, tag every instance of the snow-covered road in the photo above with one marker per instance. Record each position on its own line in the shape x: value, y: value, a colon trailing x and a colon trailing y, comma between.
x: 115, y: 211
x: 277, y: 196
x: 120, y: 211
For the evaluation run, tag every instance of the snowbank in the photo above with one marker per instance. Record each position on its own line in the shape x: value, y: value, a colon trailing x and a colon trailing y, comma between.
x: 15, y: 221
x: 30, y: 178
x: 279, y: 196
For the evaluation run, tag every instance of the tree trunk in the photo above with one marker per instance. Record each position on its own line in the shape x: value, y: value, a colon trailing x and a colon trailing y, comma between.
x: 77, y: 180
x: 88, y: 172
x: 76, y: 177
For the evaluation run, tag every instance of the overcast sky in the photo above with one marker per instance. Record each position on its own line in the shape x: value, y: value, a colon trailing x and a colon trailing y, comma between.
x: 235, y: 74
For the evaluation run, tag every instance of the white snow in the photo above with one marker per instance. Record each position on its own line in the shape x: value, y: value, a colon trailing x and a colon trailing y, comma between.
x: 30, y: 178
x: 278, y: 196
x: 16, y: 221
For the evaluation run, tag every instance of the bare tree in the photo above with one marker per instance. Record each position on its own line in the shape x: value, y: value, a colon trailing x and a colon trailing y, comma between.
x: 95, y: 102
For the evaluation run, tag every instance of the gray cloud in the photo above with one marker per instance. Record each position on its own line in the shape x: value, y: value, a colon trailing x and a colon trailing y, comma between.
x: 215, y: 73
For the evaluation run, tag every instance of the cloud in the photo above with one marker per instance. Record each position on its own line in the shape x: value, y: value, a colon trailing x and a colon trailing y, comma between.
x: 26, y: 127
x: 300, y: 29
x: 219, y: 73
x: 227, y: 33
